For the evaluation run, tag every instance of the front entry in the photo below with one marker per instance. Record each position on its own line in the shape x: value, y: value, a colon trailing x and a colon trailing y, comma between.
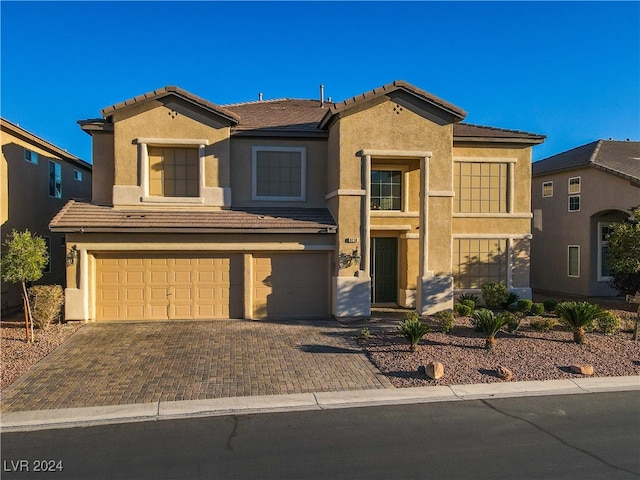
x: 384, y: 270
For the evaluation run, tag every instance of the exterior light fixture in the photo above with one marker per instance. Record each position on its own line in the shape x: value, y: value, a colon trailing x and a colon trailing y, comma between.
x: 72, y: 255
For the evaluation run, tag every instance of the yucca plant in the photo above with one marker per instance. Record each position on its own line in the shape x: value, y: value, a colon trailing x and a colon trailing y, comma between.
x: 578, y: 316
x: 413, y: 329
x: 489, y: 324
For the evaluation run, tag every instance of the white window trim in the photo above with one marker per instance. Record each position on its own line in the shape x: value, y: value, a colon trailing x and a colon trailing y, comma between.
x: 602, y: 243
x: 545, y: 184
x: 569, y: 203
x: 404, y: 169
x: 51, y: 162
x: 579, y: 185
x: 77, y: 175
x: 32, y: 154
x: 254, y: 174
x: 569, y: 247
x: 511, y: 162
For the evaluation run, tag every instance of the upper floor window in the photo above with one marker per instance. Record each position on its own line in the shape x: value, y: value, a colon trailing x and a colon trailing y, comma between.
x: 77, y: 175
x: 386, y: 190
x: 574, y: 185
x: 547, y: 189
x: 173, y: 172
x: 279, y: 173
x: 481, y: 187
x: 55, y: 180
x: 30, y: 156
x: 574, y: 203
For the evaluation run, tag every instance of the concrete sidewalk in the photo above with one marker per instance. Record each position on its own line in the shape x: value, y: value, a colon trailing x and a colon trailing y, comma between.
x: 165, y: 410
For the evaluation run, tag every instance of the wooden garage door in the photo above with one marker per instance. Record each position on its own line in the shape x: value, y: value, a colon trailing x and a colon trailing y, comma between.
x: 291, y: 285
x: 157, y: 287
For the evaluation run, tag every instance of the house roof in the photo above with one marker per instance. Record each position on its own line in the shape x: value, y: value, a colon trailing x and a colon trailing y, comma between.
x: 621, y: 158
x: 82, y: 216
x: 469, y: 132
x: 6, y: 125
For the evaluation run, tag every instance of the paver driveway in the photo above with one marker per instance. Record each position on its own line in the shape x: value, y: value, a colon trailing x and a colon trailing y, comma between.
x: 120, y: 363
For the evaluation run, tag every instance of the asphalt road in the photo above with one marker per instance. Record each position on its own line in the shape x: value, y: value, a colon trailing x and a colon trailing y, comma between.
x: 587, y: 436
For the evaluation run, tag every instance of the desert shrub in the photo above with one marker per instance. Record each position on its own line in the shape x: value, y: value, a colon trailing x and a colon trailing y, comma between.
x: 550, y: 306
x: 609, y: 323
x: 536, y: 309
x: 462, y: 309
x: 627, y: 323
x: 445, y: 320
x: 468, y: 302
x: 468, y: 296
x: 413, y: 329
x: 490, y: 324
x: 494, y: 294
x: 46, y: 304
x: 365, y: 334
x: 511, y: 299
x: 578, y: 316
x: 513, y: 322
x: 542, y: 324
x: 524, y: 305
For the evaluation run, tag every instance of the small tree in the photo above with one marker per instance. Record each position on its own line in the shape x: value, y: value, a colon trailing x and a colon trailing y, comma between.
x: 23, y: 261
x: 624, y: 253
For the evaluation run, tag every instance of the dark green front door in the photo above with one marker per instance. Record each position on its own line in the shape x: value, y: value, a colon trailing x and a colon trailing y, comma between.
x: 384, y: 270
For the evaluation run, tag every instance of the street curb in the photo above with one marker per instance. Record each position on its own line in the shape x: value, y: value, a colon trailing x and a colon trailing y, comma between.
x: 142, y: 412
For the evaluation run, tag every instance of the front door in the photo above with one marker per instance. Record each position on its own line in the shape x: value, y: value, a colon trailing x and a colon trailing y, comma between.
x: 384, y: 270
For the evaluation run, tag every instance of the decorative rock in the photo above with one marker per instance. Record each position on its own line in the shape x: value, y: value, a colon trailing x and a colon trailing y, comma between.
x: 583, y: 369
x: 504, y: 373
x: 434, y: 370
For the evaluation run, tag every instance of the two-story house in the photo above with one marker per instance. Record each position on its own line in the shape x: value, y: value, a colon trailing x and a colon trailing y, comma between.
x: 37, y: 178
x: 576, y: 195
x: 294, y: 208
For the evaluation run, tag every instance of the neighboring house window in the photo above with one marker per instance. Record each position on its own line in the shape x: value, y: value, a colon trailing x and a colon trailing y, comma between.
x: 573, y: 267
x: 386, y: 190
x: 47, y: 267
x: 77, y: 175
x: 30, y: 156
x: 574, y: 185
x: 55, y: 180
x: 173, y: 172
x: 279, y: 173
x: 604, y: 265
x: 547, y: 189
x: 574, y: 203
x: 479, y: 260
x: 481, y: 187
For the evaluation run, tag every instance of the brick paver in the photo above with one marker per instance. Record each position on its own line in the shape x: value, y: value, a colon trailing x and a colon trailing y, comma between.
x: 122, y: 363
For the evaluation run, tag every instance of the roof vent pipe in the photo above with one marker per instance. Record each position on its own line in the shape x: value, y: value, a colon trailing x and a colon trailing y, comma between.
x: 322, y: 95
x: 260, y: 97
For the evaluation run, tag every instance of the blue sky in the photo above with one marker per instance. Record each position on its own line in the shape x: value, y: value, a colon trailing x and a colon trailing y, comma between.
x: 570, y: 71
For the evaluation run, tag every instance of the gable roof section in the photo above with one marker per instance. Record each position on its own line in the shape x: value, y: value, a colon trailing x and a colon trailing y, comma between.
x: 467, y: 132
x: 82, y: 216
x: 621, y: 158
x: 178, y: 92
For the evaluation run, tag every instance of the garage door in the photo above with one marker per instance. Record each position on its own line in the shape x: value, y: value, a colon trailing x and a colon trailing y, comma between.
x: 157, y: 287
x: 291, y: 285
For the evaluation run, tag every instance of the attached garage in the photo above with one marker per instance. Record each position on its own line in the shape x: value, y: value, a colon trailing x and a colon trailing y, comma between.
x: 160, y: 287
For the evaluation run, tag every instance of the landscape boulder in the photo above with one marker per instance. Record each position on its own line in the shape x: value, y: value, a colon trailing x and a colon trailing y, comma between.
x: 504, y: 373
x: 582, y: 369
x: 434, y: 370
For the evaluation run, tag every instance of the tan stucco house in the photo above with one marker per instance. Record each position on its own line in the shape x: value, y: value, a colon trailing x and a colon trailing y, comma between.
x: 576, y: 195
x: 294, y: 208
x: 37, y: 178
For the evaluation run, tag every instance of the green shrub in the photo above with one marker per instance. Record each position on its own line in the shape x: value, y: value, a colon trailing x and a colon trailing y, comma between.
x: 536, y: 309
x: 511, y: 299
x: 609, y: 323
x: 413, y: 329
x: 462, y: 309
x: 365, y: 334
x: 46, y: 304
x: 550, y: 306
x: 578, y: 316
x: 490, y: 325
x: 542, y: 324
x: 468, y: 296
x: 524, y: 305
x: 494, y: 294
x: 445, y: 320
x: 468, y: 302
x: 513, y: 322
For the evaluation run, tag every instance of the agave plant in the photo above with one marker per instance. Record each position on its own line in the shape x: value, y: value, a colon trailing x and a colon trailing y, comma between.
x: 578, y: 316
x: 413, y: 329
x: 489, y: 324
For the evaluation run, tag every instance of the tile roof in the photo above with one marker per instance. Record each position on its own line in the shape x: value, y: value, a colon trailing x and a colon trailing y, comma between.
x: 81, y: 215
x: 282, y: 114
x: 468, y: 131
x: 620, y: 158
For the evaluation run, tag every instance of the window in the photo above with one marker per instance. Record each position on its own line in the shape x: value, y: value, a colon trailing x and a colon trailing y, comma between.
x: 55, y: 180
x: 481, y: 187
x: 574, y: 185
x: 30, y: 156
x: 477, y: 261
x: 547, y: 189
x: 279, y: 173
x: 47, y: 267
x: 573, y: 267
x: 574, y: 203
x: 173, y: 172
x: 386, y: 190
x: 77, y: 175
x: 604, y: 259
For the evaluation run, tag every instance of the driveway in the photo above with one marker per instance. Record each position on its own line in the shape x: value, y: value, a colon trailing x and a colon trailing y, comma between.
x: 122, y: 363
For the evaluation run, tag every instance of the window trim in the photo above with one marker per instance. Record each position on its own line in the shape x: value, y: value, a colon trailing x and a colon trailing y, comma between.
x: 579, y: 184
x: 569, y: 203
x: 33, y: 156
x: 544, y: 184
x: 254, y: 173
x: 602, y: 243
x: 56, y: 164
x: 569, y: 247
x: 510, y: 200
x: 77, y: 175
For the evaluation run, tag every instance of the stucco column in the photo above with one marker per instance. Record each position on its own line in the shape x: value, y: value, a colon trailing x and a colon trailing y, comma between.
x: 424, y: 224
x: 201, y: 169
x: 143, y: 154
x: 365, y: 262
x: 84, y: 283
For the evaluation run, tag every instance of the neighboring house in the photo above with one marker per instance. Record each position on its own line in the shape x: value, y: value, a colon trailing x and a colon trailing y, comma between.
x: 576, y: 195
x: 294, y: 208
x: 36, y: 180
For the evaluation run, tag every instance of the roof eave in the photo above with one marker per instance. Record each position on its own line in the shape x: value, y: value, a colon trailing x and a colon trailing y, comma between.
x: 329, y: 230
x: 480, y: 139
